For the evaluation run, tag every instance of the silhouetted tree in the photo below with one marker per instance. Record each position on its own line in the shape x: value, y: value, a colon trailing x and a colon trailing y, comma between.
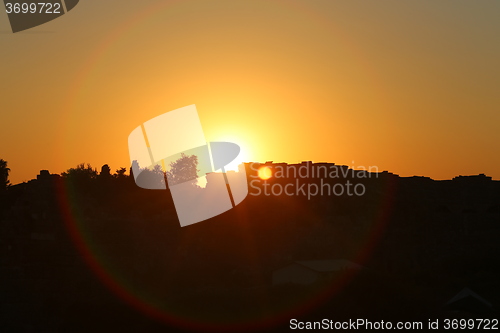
x: 105, y: 171
x: 152, y: 178
x: 120, y: 173
x: 81, y: 172
x: 4, y: 175
x: 183, y: 170
x: 134, y: 166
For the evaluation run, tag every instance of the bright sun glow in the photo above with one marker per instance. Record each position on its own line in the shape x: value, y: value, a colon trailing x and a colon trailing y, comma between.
x: 236, y: 162
x: 243, y: 156
x: 265, y: 173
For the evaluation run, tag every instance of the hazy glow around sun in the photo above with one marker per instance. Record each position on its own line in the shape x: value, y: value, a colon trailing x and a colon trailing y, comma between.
x: 243, y: 156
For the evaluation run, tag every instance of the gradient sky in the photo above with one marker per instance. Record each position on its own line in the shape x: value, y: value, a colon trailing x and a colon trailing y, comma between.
x: 412, y: 87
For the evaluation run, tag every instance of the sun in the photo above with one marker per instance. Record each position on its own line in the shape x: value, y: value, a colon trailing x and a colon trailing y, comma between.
x: 265, y: 173
x: 244, y: 155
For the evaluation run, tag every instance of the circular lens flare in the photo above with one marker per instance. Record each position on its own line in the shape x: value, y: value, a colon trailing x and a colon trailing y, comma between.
x: 265, y: 173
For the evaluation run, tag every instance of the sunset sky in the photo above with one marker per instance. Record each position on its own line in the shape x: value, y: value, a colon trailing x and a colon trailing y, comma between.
x: 412, y: 87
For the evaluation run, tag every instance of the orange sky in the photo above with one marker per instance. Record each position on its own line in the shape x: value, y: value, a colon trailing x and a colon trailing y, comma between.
x: 411, y: 87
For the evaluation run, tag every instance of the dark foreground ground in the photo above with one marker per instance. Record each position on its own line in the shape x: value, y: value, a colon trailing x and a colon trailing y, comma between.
x: 101, y: 255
